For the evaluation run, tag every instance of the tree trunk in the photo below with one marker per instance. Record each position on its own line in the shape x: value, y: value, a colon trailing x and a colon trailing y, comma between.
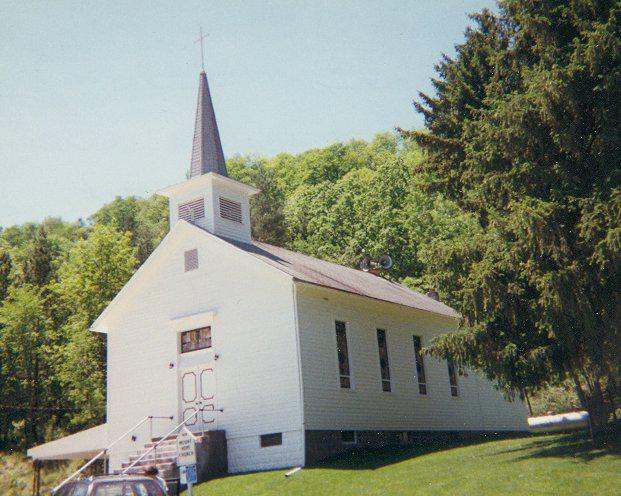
x: 35, y: 414
x: 594, y: 402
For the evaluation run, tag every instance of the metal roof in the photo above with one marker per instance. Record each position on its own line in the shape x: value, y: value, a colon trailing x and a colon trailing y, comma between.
x: 322, y: 273
x: 207, y: 155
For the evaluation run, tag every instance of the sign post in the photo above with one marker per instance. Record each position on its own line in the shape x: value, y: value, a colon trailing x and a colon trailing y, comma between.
x: 186, y: 458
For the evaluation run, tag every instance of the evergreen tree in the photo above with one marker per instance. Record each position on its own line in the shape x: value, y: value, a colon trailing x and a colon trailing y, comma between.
x: 524, y: 133
x: 38, y: 267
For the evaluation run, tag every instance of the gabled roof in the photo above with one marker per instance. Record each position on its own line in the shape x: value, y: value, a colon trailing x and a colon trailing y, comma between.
x: 207, y: 155
x: 295, y: 265
x: 319, y: 272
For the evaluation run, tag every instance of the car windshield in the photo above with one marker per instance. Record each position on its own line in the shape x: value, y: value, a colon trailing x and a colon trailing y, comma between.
x: 73, y: 489
x: 128, y: 488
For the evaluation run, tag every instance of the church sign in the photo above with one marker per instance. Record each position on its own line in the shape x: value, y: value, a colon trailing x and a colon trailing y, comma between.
x: 186, y: 449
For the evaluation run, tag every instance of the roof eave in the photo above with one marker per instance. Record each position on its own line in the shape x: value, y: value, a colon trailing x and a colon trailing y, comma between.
x: 453, y: 315
x: 204, y: 180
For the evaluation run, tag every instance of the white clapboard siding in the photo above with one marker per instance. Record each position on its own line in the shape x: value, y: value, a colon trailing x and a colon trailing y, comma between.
x: 366, y: 406
x: 257, y: 374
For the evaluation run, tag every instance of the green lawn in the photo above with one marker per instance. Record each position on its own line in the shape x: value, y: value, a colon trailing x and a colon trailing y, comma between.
x: 560, y: 464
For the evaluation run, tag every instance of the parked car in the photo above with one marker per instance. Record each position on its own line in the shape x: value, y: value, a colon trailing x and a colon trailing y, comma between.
x: 112, y: 485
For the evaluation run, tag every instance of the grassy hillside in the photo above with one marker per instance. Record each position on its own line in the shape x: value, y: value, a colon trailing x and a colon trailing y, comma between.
x: 561, y: 464
x: 16, y: 475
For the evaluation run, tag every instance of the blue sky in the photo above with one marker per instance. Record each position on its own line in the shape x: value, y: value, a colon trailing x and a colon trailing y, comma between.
x: 97, y: 99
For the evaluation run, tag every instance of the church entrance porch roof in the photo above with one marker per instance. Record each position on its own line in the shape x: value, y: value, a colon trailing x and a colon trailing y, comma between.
x: 78, y: 446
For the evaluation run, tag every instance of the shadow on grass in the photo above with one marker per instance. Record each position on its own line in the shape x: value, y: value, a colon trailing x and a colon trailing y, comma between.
x: 577, y: 446
x: 374, y: 458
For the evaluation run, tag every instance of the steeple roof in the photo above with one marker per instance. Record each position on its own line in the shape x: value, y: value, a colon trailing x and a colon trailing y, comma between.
x: 207, y: 155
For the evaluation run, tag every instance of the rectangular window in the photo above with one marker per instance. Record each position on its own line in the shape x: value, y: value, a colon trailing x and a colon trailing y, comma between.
x: 230, y: 210
x: 192, y: 210
x: 453, y: 378
x: 343, y: 354
x: 420, y: 365
x: 190, y: 259
x: 348, y: 437
x: 196, y: 339
x: 268, y: 440
x: 383, y: 357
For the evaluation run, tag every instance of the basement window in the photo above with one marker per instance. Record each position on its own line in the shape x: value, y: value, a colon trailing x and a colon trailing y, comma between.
x: 453, y: 378
x: 190, y: 260
x: 348, y: 437
x: 343, y: 355
x: 383, y: 358
x: 268, y: 440
x: 230, y: 210
x: 192, y: 210
x: 420, y: 365
x: 196, y: 339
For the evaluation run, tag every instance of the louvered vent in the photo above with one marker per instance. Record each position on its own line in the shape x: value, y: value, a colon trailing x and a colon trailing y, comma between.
x: 192, y: 210
x: 191, y: 260
x: 230, y: 210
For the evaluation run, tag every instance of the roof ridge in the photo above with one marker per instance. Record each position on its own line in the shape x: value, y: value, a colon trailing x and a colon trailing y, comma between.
x: 357, y: 271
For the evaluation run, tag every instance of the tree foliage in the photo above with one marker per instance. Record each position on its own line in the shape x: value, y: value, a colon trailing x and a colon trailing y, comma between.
x: 508, y: 202
x: 523, y: 132
x: 336, y: 203
x: 26, y: 369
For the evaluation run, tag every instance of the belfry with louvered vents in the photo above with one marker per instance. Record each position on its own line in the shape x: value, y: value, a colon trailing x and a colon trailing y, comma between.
x: 209, y: 198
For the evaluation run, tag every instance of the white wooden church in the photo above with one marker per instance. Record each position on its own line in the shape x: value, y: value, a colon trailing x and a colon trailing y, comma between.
x: 291, y: 357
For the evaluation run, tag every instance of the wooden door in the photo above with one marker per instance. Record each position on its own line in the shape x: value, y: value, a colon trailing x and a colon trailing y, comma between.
x: 198, y: 398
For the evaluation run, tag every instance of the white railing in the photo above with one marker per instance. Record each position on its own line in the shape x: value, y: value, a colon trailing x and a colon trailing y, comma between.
x: 169, y: 434
x: 105, y: 451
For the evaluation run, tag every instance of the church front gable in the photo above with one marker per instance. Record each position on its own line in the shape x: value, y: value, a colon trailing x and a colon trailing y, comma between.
x: 202, y: 328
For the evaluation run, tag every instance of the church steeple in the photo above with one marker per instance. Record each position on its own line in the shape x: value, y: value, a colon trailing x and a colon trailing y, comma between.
x: 209, y: 198
x: 207, y: 155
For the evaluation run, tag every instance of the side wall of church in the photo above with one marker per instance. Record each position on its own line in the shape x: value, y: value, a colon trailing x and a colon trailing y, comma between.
x: 366, y: 406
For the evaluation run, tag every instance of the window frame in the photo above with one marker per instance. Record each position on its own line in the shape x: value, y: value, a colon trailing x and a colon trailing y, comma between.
x: 423, y: 389
x: 275, y: 440
x: 384, y: 381
x: 453, y: 382
x: 198, y: 329
x: 340, y: 376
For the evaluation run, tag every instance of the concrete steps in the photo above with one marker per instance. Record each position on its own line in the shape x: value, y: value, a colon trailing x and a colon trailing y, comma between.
x: 164, y: 457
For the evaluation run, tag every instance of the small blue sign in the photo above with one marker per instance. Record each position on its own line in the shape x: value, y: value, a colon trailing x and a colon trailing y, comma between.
x: 190, y: 474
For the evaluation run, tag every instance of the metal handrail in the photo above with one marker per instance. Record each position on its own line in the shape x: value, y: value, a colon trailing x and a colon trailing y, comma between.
x: 154, y: 447
x: 104, y: 451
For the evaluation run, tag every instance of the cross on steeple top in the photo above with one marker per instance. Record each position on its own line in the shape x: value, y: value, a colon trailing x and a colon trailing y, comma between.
x: 200, y: 40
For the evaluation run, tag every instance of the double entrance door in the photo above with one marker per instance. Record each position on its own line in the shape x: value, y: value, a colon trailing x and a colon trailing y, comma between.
x: 198, y: 397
